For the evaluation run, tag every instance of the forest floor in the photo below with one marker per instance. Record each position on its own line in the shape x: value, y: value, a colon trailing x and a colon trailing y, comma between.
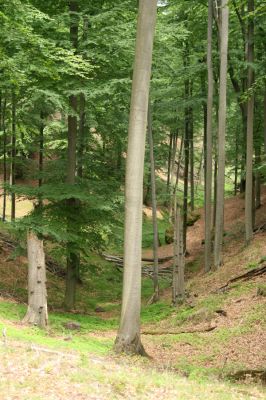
x: 198, y: 350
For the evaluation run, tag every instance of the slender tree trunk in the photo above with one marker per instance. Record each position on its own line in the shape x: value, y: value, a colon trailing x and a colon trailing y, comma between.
x: 219, y: 224
x: 169, y: 160
x: 41, y: 148
x: 13, y: 157
x: 178, y: 285
x: 179, y: 163
x: 265, y: 119
x: 172, y: 175
x: 81, y: 144
x: 5, y: 163
x: 154, y: 211
x: 37, y: 313
x: 250, y: 122
x: 215, y: 190
x: 186, y: 168
x: 128, y: 337
x: 72, y: 257
x: 257, y: 175
x: 191, y: 154
x: 208, y: 173
x: 236, y: 162
x: 186, y: 149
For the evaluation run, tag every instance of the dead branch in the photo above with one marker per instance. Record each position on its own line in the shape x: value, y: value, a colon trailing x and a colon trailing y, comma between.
x: 159, y: 333
x: 244, y: 277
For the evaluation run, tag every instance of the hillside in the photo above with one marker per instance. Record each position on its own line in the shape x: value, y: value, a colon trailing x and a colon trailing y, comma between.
x: 216, y: 335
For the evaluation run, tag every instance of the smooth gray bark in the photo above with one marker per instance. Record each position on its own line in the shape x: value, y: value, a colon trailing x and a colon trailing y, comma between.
x: 128, y: 337
x: 37, y: 313
x: 219, y: 222
x: 208, y: 172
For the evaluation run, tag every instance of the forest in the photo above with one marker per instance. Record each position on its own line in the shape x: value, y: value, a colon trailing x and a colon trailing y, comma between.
x: 132, y: 199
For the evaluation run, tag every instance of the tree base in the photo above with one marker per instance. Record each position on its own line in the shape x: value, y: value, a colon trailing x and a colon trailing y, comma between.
x: 123, y: 345
x: 36, y: 318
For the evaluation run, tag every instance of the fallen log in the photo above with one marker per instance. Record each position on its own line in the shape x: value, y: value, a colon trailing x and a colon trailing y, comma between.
x: 160, y: 333
x: 244, y: 277
x: 147, y: 270
x: 110, y: 257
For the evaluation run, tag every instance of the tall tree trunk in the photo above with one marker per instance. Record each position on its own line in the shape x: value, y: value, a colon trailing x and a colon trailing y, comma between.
x: 179, y: 163
x: 5, y: 164
x: 155, y: 296
x: 191, y: 153
x: 186, y: 149
x: 81, y: 144
x: 236, y: 162
x: 178, y: 285
x: 214, y: 191
x: 265, y: 119
x: 172, y: 175
x: 250, y: 122
x: 72, y: 258
x: 186, y: 169
x: 128, y: 337
x: 257, y: 174
x: 219, y: 224
x: 37, y: 313
x: 13, y: 157
x: 169, y: 160
x: 208, y: 169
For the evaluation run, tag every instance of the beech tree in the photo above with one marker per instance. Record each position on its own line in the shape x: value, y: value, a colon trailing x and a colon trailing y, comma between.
x: 249, y: 202
x: 208, y: 163
x: 128, y: 337
x: 37, y: 313
x: 219, y: 218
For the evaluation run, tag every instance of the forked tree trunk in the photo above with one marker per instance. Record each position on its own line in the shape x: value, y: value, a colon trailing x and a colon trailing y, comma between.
x: 128, y: 337
x: 37, y: 313
x: 219, y: 224
x: 155, y: 296
x: 208, y: 172
x: 250, y: 122
x: 178, y: 284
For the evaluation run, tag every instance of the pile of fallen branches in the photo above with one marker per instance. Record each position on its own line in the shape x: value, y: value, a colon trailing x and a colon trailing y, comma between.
x: 147, y: 270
